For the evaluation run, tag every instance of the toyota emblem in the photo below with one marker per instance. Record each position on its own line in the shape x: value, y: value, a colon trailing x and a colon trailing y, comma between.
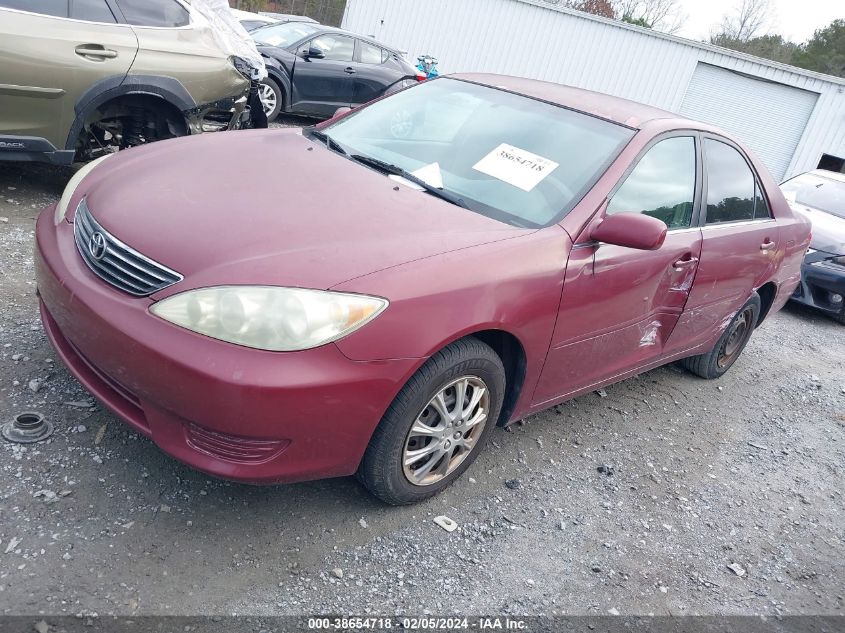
x: 97, y: 246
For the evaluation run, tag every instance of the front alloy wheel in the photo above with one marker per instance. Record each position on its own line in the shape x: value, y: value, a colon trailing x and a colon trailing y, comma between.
x: 446, y: 431
x: 437, y: 424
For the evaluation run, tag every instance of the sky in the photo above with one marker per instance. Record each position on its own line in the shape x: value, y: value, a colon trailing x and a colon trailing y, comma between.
x: 796, y: 20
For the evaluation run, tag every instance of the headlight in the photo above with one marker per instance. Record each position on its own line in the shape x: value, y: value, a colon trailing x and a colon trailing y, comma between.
x: 268, y: 317
x: 73, y: 183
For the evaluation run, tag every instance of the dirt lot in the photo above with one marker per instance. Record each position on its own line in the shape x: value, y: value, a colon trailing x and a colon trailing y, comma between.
x: 745, y: 471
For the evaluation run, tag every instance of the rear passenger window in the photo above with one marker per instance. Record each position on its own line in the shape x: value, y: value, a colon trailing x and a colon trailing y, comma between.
x: 160, y: 13
x: 91, y: 11
x: 662, y: 184
x: 370, y: 54
x: 57, y: 8
x: 732, y: 190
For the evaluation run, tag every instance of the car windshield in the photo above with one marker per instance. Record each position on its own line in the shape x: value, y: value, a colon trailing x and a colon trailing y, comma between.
x: 517, y: 159
x: 283, y: 35
x: 817, y: 192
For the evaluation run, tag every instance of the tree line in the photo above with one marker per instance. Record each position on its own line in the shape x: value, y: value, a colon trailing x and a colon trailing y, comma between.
x: 747, y: 29
x: 328, y: 12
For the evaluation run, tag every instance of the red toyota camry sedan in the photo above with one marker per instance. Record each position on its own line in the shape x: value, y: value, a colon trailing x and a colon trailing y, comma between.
x: 376, y: 294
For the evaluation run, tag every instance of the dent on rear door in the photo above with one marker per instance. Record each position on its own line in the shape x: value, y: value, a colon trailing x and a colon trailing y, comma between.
x: 741, y: 247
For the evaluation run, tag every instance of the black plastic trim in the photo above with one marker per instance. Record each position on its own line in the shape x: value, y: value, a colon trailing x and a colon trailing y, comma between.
x: 33, y: 149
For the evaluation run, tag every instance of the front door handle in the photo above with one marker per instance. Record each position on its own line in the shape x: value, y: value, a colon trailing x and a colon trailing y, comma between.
x: 349, y: 71
x: 681, y: 264
x: 767, y: 245
x: 95, y: 50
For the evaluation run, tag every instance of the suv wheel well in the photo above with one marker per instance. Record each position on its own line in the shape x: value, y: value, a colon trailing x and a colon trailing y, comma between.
x: 510, y: 350
x: 126, y: 121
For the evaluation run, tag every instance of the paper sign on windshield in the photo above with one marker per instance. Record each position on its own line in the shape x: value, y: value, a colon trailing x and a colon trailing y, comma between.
x: 430, y: 174
x: 516, y: 166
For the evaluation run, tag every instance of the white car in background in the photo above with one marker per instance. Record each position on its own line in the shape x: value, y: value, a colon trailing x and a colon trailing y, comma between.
x: 819, y: 196
x: 251, y: 21
x: 289, y: 17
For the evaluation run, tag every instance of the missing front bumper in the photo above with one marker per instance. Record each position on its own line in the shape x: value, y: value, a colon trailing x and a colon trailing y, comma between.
x: 218, y: 116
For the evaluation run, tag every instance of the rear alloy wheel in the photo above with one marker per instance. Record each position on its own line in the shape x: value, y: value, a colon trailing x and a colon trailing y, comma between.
x: 717, y: 361
x: 437, y: 425
x: 271, y: 98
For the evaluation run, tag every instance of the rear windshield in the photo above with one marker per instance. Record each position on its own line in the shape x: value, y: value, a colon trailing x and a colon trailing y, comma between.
x: 817, y: 192
x: 283, y: 35
x: 508, y: 156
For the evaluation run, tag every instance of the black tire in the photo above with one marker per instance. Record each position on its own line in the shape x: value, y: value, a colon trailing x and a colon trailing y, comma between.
x: 274, y: 113
x: 381, y: 470
x: 719, y: 360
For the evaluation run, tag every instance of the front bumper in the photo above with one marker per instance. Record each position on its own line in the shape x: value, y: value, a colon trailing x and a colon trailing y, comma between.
x: 820, y: 283
x: 230, y: 411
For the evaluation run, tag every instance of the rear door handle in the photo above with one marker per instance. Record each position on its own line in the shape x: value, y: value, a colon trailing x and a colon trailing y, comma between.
x: 95, y: 50
x: 681, y: 264
x: 349, y: 71
x: 767, y: 245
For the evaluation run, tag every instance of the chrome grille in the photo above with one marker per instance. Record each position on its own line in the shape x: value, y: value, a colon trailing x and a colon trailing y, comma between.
x: 116, y: 263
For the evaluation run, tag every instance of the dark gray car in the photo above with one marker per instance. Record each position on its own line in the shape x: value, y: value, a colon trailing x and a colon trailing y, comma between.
x: 819, y: 195
x: 316, y: 69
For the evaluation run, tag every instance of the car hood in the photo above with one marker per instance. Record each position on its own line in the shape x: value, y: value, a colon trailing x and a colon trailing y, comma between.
x: 828, y: 230
x: 271, y: 207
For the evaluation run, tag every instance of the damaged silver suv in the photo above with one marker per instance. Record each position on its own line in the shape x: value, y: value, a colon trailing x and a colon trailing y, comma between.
x: 82, y: 78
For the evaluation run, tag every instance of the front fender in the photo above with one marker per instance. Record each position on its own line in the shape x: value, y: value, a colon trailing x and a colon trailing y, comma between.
x: 513, y: 285
x: 280, y: 77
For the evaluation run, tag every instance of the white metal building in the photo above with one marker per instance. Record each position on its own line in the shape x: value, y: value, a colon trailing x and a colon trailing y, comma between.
x: 792, y: 118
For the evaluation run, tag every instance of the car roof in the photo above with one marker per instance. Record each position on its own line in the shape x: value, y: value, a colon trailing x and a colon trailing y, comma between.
x: 249, y: 15
x: 831, y: 175
x: 288, y: 17
x: 616, y: 109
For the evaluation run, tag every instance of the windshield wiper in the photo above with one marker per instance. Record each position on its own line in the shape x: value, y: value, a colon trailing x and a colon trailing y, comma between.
x: 395, y: 170
x: 329, y: 141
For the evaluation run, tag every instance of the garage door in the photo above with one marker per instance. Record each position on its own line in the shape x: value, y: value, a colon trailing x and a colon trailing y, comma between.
x: 768, y: 117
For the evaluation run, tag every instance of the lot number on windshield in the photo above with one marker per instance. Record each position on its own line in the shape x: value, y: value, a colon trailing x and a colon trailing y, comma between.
x: 516, y: 166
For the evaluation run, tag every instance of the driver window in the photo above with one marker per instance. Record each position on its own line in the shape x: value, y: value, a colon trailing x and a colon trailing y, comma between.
x: 334, y: 47
x: 662, y: 184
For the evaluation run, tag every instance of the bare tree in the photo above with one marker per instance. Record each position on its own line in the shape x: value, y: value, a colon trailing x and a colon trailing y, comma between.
x: 660, y: 15
x: 603, y: 8
x: 750, y: 19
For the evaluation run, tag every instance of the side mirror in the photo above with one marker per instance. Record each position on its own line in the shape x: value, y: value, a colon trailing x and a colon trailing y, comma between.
x: 631, y: 230
x: 314, y: 53
x: 341, y: 111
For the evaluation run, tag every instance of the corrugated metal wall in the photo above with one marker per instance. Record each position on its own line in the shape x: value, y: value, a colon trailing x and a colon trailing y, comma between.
x: 526, y: 38
x: 788, y: 109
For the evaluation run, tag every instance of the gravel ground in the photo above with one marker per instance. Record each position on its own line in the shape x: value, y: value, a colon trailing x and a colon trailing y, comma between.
x: 718, y: 497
